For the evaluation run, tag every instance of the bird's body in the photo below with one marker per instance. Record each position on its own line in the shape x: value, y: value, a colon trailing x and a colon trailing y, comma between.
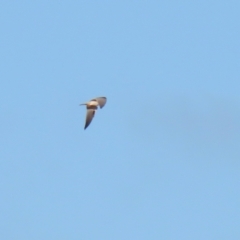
x: 92, y: 106
x: 92, y: 103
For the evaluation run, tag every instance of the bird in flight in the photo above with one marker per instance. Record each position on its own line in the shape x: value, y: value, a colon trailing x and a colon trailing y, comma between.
x: 92, y: 106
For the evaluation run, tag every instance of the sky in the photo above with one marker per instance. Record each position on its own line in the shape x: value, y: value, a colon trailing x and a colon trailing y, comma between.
x: 161, y: 160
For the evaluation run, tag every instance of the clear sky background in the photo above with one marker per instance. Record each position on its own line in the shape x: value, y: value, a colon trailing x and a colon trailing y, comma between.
x: 161, y: 160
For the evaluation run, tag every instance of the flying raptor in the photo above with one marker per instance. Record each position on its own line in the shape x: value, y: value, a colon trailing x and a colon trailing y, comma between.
x: 92, y: 106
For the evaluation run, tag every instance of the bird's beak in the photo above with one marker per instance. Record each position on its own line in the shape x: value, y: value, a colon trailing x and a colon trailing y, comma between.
x: 82, y: 104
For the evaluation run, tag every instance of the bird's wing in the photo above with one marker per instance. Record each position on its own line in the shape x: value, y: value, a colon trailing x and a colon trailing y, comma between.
x: 89, y: 117
x: 101, y: 101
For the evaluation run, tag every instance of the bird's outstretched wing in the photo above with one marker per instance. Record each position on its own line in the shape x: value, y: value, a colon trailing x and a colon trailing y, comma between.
x: 89, y: 117
x: 101, y: 101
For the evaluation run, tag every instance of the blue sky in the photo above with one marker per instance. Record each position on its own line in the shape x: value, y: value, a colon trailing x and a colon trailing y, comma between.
x: 160, y: 160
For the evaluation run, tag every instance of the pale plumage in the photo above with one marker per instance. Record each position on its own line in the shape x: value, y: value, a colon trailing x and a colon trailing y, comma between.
x: 92, y: 106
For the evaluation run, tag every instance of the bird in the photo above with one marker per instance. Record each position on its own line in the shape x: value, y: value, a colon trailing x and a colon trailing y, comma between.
x: 92, y: 106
